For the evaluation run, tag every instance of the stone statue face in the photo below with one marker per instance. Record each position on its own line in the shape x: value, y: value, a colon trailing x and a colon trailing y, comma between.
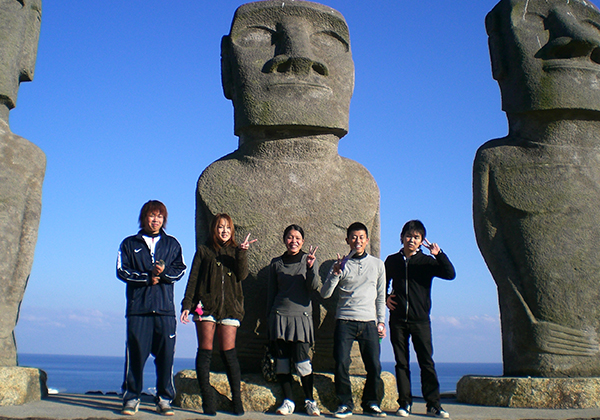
x: 288, y: 64
x: 19, y: 32
x: 546, y: 54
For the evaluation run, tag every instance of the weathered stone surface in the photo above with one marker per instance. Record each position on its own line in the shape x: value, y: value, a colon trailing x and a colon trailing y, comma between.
x: 21, y: 385
x: 529, y: 392
x: 536, y: 191
x: 22, y: 166
x: 261, y: 396
x: 291, y: 105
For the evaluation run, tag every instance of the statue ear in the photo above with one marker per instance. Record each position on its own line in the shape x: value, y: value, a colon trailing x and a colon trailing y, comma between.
x: 31, y: 36
x: 226, y: 74
x: 496, y: 46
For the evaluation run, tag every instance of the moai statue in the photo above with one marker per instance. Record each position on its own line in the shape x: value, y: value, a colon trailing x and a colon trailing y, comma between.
x: 22, y: 167
x: 287, y: 67
x: 537, y: 190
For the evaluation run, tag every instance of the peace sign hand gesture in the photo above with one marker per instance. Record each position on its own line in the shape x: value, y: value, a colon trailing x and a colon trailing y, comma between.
x: 246, y: 243
x: 433, y: 248
x: 310, y: 259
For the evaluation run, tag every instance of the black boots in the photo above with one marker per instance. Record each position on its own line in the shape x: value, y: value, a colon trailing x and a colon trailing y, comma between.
x: 232, y: 367
x: 203, y: 358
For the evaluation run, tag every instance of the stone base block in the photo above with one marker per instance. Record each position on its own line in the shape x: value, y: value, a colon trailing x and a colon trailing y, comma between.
x: 262, y: 396
x: 19, y: 385
x: 529, y: 392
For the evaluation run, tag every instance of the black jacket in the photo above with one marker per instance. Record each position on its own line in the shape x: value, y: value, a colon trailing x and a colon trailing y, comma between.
x: 134, y: 267
x: 411, y: 283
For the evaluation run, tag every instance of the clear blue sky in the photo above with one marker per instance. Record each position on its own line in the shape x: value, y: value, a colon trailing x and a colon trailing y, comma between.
x: 127, y: 105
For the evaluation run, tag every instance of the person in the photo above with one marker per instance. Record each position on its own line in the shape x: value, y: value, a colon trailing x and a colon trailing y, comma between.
x: 22, y: 168
x: 150, y: 262
x: 411, y: 273
x: 360, y: 316
x: 292, y: 279
x: 287, y: 68
x: 214, y: 292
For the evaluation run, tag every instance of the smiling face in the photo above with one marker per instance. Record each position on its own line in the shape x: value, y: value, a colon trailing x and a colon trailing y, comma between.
x: 223, y: 230
x: 546, y: 54
x: 153, y: 222
x: 293, y: 242
x: 411, y: 241
x: 358, y: 241
x: 288, y: 64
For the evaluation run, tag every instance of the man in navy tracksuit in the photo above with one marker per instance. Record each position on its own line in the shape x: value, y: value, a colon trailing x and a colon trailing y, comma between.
x: 149, y: 263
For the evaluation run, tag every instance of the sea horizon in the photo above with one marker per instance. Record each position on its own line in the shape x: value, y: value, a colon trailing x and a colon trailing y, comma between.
x: 79, y: 374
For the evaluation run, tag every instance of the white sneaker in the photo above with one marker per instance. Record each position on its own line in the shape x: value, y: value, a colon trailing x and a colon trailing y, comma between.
x: 286, y: 408
x: 438, y: 412
x: 403, y: 411
x: 311, y: 408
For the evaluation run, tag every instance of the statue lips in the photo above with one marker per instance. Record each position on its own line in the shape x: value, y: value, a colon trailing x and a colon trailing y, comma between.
x: 302, y: 88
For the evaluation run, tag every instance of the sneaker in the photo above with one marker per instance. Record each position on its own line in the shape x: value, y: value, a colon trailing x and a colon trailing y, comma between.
x: 342, y: 412
x: 438, y: 412
x: 286, y: 408
x: 164, y: 407
x: 403, y: 411
x: 130, y: 407
x: 375, y: 411
x: 311, y: 408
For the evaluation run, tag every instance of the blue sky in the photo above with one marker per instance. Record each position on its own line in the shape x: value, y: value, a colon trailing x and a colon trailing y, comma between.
x: 127, y: 105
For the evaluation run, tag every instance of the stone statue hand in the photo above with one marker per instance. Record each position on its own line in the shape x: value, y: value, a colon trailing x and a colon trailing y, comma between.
x: 557, y: 339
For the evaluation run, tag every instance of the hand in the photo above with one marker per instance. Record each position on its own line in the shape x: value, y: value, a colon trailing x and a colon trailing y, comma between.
x: 433, y: 248
x: 381, y: 330
x: 159, y: 267
x: 310, y: 259
x: 246, y: 244
x: 154, y: 280
x: 337, y: 266
x: 390, y: 302
x: 184, y: 317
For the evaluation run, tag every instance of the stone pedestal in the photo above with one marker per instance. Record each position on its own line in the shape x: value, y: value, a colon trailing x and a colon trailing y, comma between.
x: 19, y: 385
x: 261, y: 396
x: 529, y: 392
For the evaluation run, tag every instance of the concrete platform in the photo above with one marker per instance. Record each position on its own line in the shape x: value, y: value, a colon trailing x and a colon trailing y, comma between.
x: 77, y: 406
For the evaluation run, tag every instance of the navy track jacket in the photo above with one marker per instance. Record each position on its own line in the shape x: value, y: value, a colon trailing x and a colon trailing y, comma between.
x: 134, y: 267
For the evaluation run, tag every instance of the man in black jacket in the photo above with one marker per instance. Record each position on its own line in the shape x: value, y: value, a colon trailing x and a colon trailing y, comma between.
x: 149, y: 263
x: 411, y: 273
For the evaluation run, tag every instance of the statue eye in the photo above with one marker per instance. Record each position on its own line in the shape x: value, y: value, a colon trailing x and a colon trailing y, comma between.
x: 329, y: 42
x: 254, y: 37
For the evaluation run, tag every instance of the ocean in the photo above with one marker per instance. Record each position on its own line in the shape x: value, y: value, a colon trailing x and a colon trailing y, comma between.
x: 81, y: 374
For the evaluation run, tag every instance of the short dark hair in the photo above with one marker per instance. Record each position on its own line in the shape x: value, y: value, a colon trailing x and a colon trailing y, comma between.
x: 356, y: 226
x: 414, y: 226
x: 293, y: 227
x: 150, y: 207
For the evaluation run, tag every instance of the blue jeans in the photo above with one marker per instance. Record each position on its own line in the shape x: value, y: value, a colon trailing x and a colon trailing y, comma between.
x: 346, y: 332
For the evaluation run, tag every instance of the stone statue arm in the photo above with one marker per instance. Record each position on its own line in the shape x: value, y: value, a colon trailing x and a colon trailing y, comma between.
x: 548, y: 337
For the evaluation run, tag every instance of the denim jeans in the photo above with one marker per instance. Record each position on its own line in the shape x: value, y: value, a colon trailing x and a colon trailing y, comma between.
x: 346, y: 332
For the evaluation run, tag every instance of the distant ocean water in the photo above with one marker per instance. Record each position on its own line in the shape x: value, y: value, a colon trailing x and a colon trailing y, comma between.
x: 80, y: 374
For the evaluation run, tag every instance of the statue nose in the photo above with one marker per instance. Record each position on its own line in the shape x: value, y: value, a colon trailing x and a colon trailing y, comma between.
x: 569, y: 37
x: 293, y: 53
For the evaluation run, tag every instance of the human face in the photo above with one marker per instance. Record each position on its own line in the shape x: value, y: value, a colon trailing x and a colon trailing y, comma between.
x: 293, y: 242
x: 19, y: 33
x: 288, y: 64
x: 153, y: 222
x: 223, y: 230
x: 546, y: 55
x: 358, y: 241
x: 411, y: 242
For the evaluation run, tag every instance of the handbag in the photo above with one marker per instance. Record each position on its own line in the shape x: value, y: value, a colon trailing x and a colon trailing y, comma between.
x: 268, y: 363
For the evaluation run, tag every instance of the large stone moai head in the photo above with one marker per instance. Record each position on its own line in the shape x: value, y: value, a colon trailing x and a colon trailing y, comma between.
x: 288, y: 63
x: 287, y: 67
x: 536, y: 191
x: 545, y: 54
x: 22, y: 166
